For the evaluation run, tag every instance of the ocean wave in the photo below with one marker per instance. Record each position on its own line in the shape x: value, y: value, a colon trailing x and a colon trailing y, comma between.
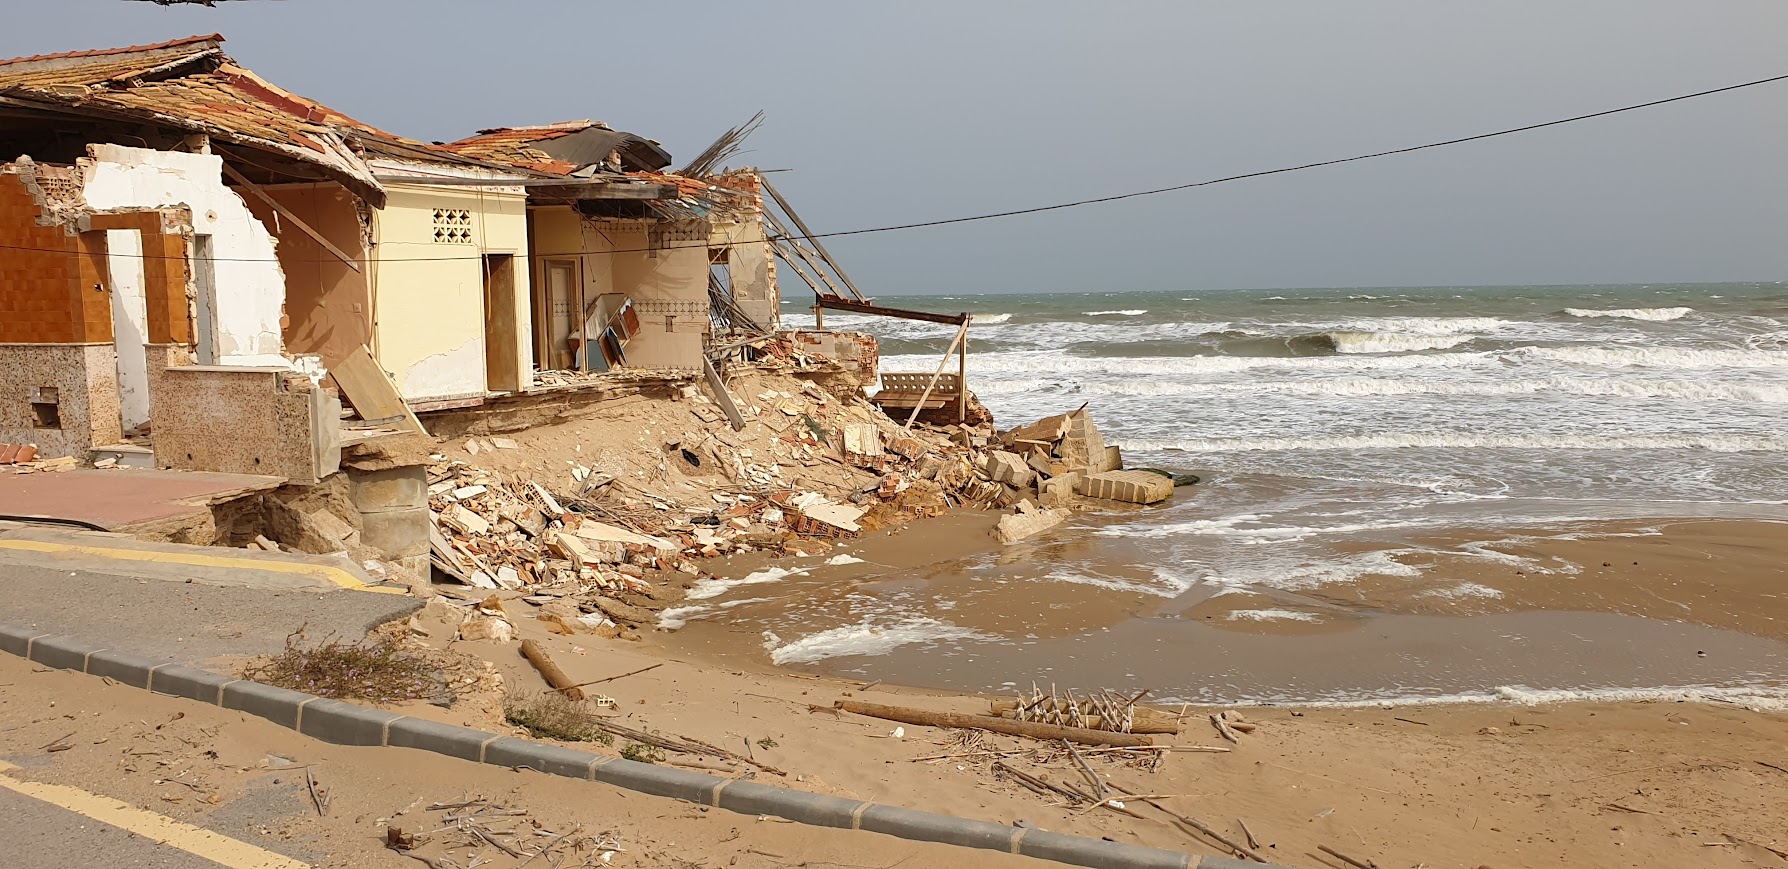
x: 1467, y: 440
x: 988, y: 319
x: 1653, y: 357
x: 1131, y: 312
x: 870, y: 639
x: 1033, y: 361
x: 1425, y: 325
x: 1165, y: 585
x: 1360, y: 387
x: 1652, y: 314
x: 1392, y: 342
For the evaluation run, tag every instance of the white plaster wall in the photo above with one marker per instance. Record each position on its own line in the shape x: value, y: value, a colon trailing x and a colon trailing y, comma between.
x: 124, y: 261
x: 250, y: 286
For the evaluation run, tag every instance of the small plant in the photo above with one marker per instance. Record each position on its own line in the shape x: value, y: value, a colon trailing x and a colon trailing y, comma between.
x: 551, y: 715
x: 377, y: 669
x: 766, y: 743
x: 643, y: 753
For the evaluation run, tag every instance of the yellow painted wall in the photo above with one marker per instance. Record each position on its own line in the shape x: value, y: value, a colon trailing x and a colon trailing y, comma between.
x: 428, y: 295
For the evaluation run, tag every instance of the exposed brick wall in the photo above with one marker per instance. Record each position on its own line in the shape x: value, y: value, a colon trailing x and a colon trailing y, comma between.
x: 37, y: 285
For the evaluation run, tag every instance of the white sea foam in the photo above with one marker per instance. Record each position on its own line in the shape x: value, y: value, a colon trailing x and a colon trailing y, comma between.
x: 1462, y: 590
x: 988, y: 319
x: 1392, y: 342
x: 1425, y: 325
x: 707, y: 588
x: 1468, y: 440
x: 676, y: 617
x: 1653, y: 314
x: 1653, y: 357
x: 870, y: 639
x: 1760, y: 698
x: 1349, y: 387
x: 1132, y: 312
x: 1165, y: 584
x: 1273, y: 615
x: 842, y: 559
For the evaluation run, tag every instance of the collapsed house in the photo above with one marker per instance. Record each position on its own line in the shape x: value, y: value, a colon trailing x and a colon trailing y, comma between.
x: 201, y: 271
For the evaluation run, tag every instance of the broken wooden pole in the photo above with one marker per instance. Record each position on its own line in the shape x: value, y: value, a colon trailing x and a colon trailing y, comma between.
x: 550, y: 671
x: 807, y: 234
x: 1032, y: 729
x: 961, y: 334
x: 962, y: 374
x: 721, y: 396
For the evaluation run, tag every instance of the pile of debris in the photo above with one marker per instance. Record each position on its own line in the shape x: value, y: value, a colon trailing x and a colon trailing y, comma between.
x: 1058, y: 460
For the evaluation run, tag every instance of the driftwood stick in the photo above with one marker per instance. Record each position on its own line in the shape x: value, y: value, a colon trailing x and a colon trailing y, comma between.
x: 1205, y: 829
x: 613, y: 678
x: 1032, y: 729
x: 1346, y: 859
x: 550, y: 671
x: 1247, y: 833
x: 1041, y: 785
x: 1099, y: 790
x: 1223, y: 728
x: 316, y: 795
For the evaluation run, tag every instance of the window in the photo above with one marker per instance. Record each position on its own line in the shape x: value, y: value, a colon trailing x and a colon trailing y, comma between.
x: 453, y: 226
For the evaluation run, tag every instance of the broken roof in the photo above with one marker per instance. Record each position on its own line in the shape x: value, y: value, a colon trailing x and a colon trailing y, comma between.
x: 563, y: 148
x: 190, y: 84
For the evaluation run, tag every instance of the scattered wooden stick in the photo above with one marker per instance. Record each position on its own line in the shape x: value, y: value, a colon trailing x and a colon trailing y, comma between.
x: 609, y: 679
x: 316, y: 794
x: 1042, y: 786
x: 1411, y: 721
x: 1032, y: 729
x: 1772, y: 766
x: 1247, y: 833
x: 1201, y: 827
x: 1346, y: 859
x: 1223, y: 729
x: 550, y: 845
x: 1099, y: 790
x: 550, y: 671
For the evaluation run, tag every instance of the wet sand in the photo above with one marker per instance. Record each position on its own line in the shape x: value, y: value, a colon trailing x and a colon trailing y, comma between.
x: 1689, y: 608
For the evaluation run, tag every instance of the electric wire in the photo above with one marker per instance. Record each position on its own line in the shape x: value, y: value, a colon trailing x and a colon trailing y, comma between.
x: 996, y: 215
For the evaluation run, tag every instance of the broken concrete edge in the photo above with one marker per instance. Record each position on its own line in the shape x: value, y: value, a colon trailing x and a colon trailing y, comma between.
x: 344, y: 723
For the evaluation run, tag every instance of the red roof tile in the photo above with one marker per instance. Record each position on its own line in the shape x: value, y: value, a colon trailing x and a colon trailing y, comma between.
x: 129, y: 49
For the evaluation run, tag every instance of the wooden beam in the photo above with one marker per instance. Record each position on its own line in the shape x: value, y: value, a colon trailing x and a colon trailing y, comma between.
x: 851, y: 307
x: 809, y: 236
x: 288, y: 215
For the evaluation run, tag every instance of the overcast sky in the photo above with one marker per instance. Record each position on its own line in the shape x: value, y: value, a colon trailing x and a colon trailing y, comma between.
x: 898, y: 112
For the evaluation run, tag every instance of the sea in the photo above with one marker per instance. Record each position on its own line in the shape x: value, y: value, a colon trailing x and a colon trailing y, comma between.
x: 1319, y: 418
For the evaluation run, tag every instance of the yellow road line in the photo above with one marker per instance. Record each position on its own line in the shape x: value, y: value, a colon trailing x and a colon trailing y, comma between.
x: 321, y: 571
x: 159, y: 829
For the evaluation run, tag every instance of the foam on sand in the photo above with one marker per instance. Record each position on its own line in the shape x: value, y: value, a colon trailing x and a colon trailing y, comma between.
x: 1273, y: 615
x: 867, y: 638
x: 707, y: 588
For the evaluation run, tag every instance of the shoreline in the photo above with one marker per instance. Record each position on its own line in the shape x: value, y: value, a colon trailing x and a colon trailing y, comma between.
x: 1695, y: 633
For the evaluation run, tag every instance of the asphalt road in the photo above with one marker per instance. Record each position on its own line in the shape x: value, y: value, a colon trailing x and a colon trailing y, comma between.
x: 187, y: 622
x: 41, y: 836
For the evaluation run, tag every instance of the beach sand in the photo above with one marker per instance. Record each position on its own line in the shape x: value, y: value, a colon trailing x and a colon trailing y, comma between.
x: 1495, y: 783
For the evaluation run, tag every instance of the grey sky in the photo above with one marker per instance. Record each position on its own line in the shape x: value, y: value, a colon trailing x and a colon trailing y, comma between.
x: 898, y: 112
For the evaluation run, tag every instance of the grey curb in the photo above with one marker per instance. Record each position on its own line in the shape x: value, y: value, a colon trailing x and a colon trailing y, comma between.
x: 449, y: 739
x: 175, y: 680
x: 350, y: 724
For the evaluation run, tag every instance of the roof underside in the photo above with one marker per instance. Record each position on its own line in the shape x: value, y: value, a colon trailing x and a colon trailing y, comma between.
x: 191, y: 86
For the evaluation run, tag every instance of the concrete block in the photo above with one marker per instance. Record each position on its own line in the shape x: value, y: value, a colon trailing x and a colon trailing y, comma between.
x: 1009, y: 468
x: 927, y: 827
x: 177, y: 681
x: 751, y: 798
x: 396, y: 533
x: 1136, y: 487
x: 389, y: 489
x: 1058, y: 491
x: 277, y: 705
x: 1114, y: 458
x: 121, y: 667
x: 1098, y: 853
x: 344, y: 723
x: 1014, y: 527
x: 63, y: 653
x: 660, y: 780
x: 449, y: 739
x: 541, y: 757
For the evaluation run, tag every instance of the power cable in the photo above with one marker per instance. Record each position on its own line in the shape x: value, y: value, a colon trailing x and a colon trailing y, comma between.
x: 995, y: 215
